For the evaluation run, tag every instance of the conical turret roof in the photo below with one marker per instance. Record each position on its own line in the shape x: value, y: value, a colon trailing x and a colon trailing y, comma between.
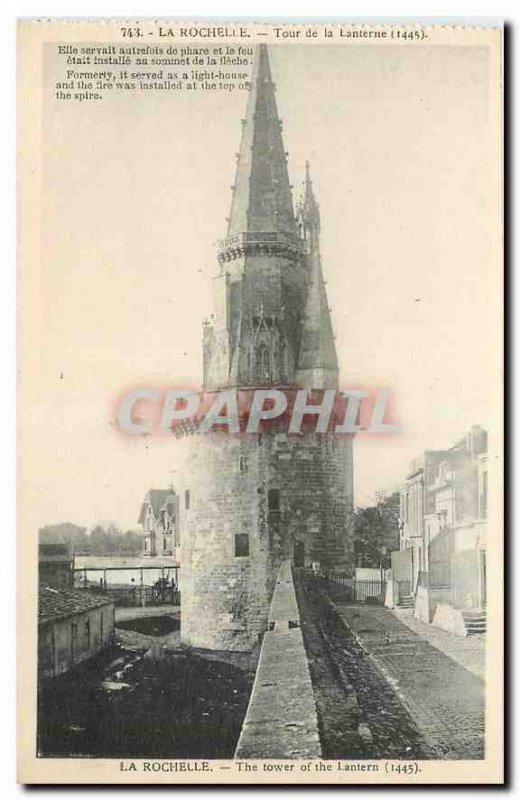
x: 317, y: 360
x: 318, y: 349
x: 262, y: 198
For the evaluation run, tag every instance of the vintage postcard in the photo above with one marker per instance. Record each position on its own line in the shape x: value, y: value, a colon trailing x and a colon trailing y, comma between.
x: 260, y: 402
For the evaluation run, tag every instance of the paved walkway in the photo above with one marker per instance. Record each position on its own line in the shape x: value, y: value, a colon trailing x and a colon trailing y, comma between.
x: 467, y: 651
x: 445, y: 700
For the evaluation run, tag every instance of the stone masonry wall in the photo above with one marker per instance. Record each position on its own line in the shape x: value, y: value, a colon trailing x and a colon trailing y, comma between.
x: 278, y: 490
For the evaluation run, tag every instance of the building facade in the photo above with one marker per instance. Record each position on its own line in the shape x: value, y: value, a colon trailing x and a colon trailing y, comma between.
x: 159, y: 517
x: 55, y: 562
x: 73, y: 626
x: 250, y: 500
x: 415, y: 506
x: 443, y: 523
x: 456, y: 526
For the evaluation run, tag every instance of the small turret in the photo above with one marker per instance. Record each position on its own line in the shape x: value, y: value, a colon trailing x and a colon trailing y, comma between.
x: 308, y: 215
x: 317, y: 360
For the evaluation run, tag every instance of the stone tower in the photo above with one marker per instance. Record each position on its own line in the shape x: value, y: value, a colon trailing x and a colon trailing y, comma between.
x: 248, y: 501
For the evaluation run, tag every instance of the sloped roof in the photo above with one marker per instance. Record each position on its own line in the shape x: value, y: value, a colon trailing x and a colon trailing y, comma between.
x: 158, y: 499
x: 54, y: 552
x: 317, y: 348
x: 54, y: 603
x: 54, y: 558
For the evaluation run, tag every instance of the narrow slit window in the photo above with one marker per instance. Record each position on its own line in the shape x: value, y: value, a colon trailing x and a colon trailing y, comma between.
x: 241, y: 545
x: 273, y: 500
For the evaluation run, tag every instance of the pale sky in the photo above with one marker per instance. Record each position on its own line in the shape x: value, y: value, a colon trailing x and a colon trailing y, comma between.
x: 135, y: 193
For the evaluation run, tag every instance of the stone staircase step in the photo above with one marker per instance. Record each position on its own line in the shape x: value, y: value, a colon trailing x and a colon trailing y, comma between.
x: 474, y: 621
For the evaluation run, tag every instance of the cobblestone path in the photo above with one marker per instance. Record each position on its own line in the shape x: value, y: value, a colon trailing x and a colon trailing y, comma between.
x: 445, y: 700
x: 359, y: 714
x: 467, y: 651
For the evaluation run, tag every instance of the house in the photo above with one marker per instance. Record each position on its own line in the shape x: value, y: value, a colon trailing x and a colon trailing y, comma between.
x: 159, y: 517
x: 415, y: 503
x: 440, y: 567
x: 456, y: 527
x: 73, y: 626
x: 55, y: 563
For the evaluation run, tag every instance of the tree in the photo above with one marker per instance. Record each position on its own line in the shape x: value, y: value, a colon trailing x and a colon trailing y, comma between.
x: 376, y: 533
x: 100, y: 541
x: 75, y: 536
x: 132, y: 542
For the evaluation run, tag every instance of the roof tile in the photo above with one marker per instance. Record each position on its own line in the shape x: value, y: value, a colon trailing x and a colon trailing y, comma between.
x: 54, y: 603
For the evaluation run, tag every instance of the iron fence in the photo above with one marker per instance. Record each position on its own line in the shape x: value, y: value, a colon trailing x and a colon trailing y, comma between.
x: 354, y: 590
x: 130, y: 596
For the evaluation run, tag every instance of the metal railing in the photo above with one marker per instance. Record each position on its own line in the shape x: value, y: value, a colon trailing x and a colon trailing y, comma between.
x: 352, y: 589
x: 132, y: 596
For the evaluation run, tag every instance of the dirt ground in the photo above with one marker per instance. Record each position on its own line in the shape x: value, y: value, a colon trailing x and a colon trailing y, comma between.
x: 151, y: 626
x: 147, y: 696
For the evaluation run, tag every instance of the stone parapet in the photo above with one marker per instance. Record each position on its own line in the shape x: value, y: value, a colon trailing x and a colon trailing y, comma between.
x: 281, y: 719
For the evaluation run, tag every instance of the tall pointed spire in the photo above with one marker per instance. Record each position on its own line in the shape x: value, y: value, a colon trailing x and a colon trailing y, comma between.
x: 271, y: 323
x: 262, y: 195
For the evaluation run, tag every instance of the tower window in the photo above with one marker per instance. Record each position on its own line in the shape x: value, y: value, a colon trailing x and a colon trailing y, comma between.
x: 187, y: 499
x: 242, y: 463
x: 241, y: 545
x: 262, y: 362
x: 273, y: 500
